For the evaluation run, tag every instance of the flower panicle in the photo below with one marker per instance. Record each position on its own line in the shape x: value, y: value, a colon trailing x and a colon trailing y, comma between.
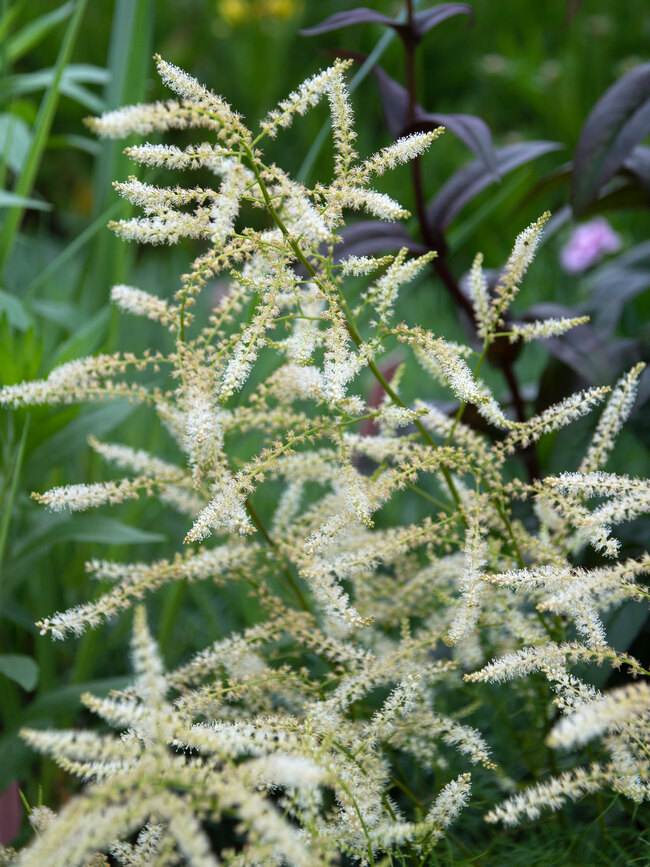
x: 368, y: 527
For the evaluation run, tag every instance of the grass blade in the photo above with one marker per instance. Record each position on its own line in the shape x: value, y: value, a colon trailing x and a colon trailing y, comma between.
x: 42, y: 127
x: 11, y: 495
x: 128, y: 62
x: 34, y: 32
x: 72, y: 248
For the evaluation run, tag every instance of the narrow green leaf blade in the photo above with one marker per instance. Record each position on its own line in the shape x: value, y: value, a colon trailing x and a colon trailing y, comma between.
x: 85, y: 340
x: 15, y: 311
x: 34, y: 32
x: 19, y: 668
x: 97, y: 421
x: 108, y: 531
x: 12, y: 200
x: 15, y: 140
x: 41, y: 131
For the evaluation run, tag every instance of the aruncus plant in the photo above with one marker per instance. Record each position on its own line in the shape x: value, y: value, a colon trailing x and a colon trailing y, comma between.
x: 280, y: 744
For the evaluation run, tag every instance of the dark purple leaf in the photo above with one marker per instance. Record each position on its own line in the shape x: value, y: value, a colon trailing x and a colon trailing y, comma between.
x: 638, y: 165
x: 395, y: 102
x: 473, y: 131
x: 622, y: 197
x: 556, y: 178
x: 424, y: 21
x: 631, y: 195
x: 637, y: 255
x: 643, y: 394
x: 616, y: 124
x: 372, y: 238
x: 615, y: 287
x: 473, y: 178
x: 360, y: 15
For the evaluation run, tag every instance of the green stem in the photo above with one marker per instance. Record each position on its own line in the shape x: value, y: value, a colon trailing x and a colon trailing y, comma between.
x: 170, y: 612
x: 463, y: 405
x: 426, y: 496
x: 270, y: 542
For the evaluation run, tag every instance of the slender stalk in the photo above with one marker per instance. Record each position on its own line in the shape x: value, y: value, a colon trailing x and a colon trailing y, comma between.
x: 530, y: 454
x: 272, y: 544
x: 463, y: 405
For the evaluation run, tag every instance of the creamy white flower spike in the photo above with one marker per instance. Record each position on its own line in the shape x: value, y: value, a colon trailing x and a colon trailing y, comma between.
x: 140, y: 303
x: 308, y: 95
x: 543, y: 329
x: 140, y: 119
x: 625, y: 708
x: 383, y: 295
x: 612, y: 420
x: 362, y: 265
x: 225, y: 511
x: 402, y: 151
x: 172, y: 157
x: 480, y: 296
x: 522, y: 255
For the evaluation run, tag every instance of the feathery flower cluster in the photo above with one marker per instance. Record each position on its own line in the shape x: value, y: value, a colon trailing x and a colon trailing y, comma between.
x: 296, y: 726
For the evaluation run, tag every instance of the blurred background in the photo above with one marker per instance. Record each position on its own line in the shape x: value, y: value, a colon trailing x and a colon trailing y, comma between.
x: 531, y: 71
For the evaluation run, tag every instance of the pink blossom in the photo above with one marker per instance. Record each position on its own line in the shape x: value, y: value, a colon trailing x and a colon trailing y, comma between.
x: 588, y: 244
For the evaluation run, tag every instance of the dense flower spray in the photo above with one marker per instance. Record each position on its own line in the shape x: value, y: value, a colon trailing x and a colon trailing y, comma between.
x: 291, y: 727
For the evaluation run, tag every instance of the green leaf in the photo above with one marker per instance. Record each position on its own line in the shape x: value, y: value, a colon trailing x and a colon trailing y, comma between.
x: 85, y: 340
x: 46, y: 709
x: 52, y: 528
x: 64, y: 443
x: 74, y: 73
x: 109, y: 531
x: 79, y: 142
x: 70, y: 85
x: 20, y: 668
x: 14, y: 309
x: 20, y: 353
x: 11, y: 200
x: 8, y: 14
x: 66, y: 254
x: 15, y: 140
x: 62, y: 313
x: 34, y: 32
x: 41, y: 131
x: 129, y: 58
x: 17, y: 758
x: 8, y: 504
